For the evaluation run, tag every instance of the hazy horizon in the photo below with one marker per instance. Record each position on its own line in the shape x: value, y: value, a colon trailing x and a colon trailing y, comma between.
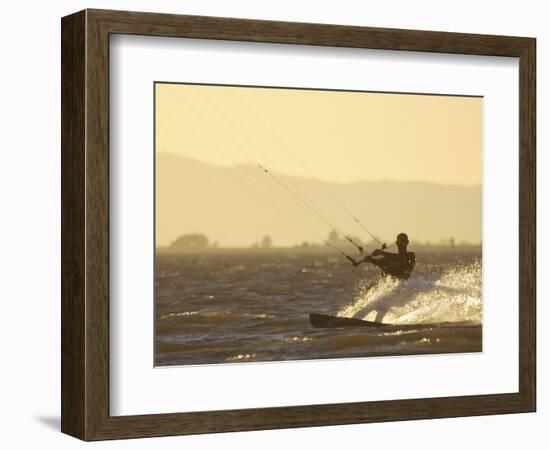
x: 306, y: 177
x: 195, y: 197
x: 239, y: 163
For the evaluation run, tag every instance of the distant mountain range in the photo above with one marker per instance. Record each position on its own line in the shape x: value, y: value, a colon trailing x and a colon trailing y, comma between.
x: 237, y: 206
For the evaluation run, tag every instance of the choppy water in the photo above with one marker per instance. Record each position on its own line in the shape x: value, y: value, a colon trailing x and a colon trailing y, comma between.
x: 235, y: 307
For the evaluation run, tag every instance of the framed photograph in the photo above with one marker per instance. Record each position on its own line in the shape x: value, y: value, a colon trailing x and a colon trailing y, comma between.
x: 272, y: 224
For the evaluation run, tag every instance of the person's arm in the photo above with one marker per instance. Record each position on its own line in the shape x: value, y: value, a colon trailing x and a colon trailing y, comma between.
x: 378, y: 262
x: 356, y: 263
x: 384, y: 260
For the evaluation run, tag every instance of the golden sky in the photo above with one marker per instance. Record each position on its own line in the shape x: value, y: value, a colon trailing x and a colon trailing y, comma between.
x: 333, y: 135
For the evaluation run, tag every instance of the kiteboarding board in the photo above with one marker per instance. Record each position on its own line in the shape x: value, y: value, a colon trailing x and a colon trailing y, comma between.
x: 327, y: 321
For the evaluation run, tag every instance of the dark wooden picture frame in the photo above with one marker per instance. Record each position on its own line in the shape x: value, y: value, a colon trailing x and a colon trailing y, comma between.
x: 85, y: 224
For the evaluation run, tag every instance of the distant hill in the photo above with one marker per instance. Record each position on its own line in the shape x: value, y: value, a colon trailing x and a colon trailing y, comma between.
x: 237, y: 206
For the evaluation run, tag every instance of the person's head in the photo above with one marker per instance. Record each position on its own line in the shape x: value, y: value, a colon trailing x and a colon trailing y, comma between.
x: 402, y: 241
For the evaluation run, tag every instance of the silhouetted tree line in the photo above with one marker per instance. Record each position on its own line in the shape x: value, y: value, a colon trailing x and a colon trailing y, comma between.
x: 193, y: 241
x: 198, y: 241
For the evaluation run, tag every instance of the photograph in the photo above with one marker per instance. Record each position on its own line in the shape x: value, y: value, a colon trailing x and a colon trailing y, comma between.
x: 296, y: 223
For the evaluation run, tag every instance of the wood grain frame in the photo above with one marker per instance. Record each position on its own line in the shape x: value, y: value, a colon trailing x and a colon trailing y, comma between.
x: 85, y: 224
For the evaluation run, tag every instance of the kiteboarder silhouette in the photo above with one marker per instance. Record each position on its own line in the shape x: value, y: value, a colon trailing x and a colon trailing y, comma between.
x: 399, y: 265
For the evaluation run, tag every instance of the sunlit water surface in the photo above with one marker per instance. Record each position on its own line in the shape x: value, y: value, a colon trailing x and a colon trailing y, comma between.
x: 237, y: 307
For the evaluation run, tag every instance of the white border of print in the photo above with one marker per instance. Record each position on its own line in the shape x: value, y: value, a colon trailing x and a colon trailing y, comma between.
x: 136, y: 387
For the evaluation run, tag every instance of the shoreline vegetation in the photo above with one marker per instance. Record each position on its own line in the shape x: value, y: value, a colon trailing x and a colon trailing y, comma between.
x: 199, y: 243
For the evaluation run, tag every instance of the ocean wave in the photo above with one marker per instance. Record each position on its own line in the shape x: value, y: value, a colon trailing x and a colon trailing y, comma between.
x: 216, y: 314
x: 296, y: 339
x: 453, y: 295
x: 241, y: 357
